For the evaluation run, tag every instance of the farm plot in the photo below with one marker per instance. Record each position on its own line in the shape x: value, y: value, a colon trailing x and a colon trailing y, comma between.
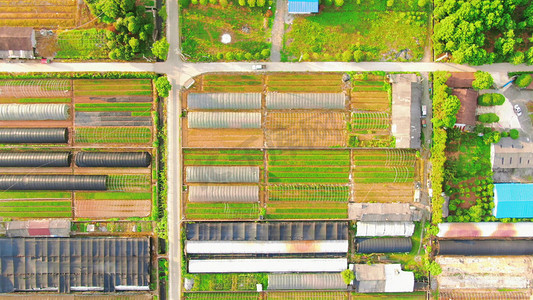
x: 221, y: 211
x: 319, y: 83
x: 384, y: 175
x: 222, y: 157
x: 35, y: 204
x: 305, y: 129
x: 307, y: 296
x: 39, y: 14
x: 307, y: 184
x: 222, y: 296
x: 38, y: 88
x: 86, y: 44
x: 232, y: 83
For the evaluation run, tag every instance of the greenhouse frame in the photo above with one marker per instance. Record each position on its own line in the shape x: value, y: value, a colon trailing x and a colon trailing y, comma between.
x: 202, y: 120
x: 224, y: 101
x: 305, y: 101
x: 113, y: 159
x: 53, y: 182
x: 223, y: 193
x: 222, y: 174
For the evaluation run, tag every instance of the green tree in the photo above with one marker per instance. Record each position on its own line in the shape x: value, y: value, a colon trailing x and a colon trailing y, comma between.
x: 229, y: 56
x: 306, y: 57
x: 251, y: 3
x: 261, y: 3
x: 204, y: 2
x: 265, y: 53
x: 160, y: 48
x: 242, y: 2
x: 248, y: 56
x: 339, y: 3
x: 390, y: 3
x: 483, y: 80
x: 163, y: 86
x: 523, y: 80
x: 422, y: 3
x: 213, y: 2
x: 514, y: 134
x: 518, y: 58
x: 347, y: 276
x: 134, y: 43
x: 224, y: 3
x: 346, y: 55
x: 358, y: 55
x: 328, y: 2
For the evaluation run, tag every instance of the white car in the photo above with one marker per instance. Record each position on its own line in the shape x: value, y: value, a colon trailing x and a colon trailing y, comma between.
x: 259, y: 67
x: 517, y: 110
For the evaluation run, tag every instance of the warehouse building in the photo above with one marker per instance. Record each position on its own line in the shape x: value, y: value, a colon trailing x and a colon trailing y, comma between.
x: 382, y: 278
x: 486, y: 230
x: 67, y: 265
x: 513, y: 200
x: 485, y: 247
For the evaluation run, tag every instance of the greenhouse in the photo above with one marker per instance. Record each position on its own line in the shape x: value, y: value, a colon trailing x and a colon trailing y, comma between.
x: 33, y: 112
x: 33, y: 135
x: 53, y: 182
x: 384, y: 245
x: 305, y: 101
x: 223, y: 193
x: 113, y: 159
x: 34, y: 159
x: 385, y: 229
x: 224, y: 101
x: 485, y: 247
x: 486, y: 229
x: 224, y: 120
x: 267, y: 265
x: 267, y: 247
x: 222, y: 174
x: 320, y: 281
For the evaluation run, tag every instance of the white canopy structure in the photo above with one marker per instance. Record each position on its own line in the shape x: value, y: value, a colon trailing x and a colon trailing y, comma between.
x: 224, y: 193
x: 385, y: 228
x: 267, y: 265
x: 224, y: 101
x: 305, y: 101
x: 265, y: 247
x: 224, y: 120
x: 222, y: 174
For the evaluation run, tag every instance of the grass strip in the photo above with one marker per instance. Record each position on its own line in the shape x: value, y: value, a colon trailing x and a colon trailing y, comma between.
x: 35, y: 204
x: 36, y: 214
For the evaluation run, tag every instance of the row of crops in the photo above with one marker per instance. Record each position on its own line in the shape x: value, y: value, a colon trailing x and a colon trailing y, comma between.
x: 268, y: 295
x: 303, y: 184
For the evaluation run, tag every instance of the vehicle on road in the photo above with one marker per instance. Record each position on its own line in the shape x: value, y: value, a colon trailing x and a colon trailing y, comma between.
x: 424, y: 111
x: 517, y: 110
x: 424, y: 123
x: 259, y: 67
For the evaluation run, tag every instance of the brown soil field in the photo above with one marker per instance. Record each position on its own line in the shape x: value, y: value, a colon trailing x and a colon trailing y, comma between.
x: 383, y: 192
x: 305, y: 138
x: 101, y: 209
x: 373, y: 101
x: 222, y: 138
x: 39, y: 14
x: 485, y: 295
x: 62, y: 89
x: 36, y: 124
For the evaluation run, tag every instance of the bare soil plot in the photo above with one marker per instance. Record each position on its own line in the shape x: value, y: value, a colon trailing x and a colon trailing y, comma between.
x: 370, y: 100
x: 103, y: 209
x: 485, y: 295
x: 222, y: 138
x: 383, y: 192
x: 232, y: 83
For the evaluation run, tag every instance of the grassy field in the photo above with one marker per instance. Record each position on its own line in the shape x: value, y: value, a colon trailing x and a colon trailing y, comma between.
x: 222, y: 157
x: 220, y: 211
x: 86, y: 44
x: 228, y: 282
x: 132, y: 107
x: 203, y: 26
x: 129, y: 87
x: 302, y: 210
x: 379, y: 31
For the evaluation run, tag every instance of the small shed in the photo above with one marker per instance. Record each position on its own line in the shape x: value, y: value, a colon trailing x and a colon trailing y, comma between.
x: 320, y: 281
x: 513, y: 200
x: 382, y: 278
x: 17, y: 42
x: 303, y: 6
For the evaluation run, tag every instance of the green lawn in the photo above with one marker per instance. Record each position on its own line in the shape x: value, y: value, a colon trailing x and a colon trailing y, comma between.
x: 85, y: 44
x: 203, y: 26
x: 370, y: 26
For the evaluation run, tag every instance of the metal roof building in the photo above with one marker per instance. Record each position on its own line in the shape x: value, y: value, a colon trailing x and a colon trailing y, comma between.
x: 321, y: 281
x: 381, y: 278
x: 305, y: 101
x: 513, y: 200
x: 406, y: 110
x: 486, y: 229
x: 33, y: 135
x: 113, y: 159
x: 34, y: 159
x: 485, y: 247
x: 39, y: 228
x: 267, y: 265
x: 271, y: 231
x: 385, y: 229
x: 266, y: 247
x: 53, y: 182
x: 17, y: 42
x: 384, y: 245
x: 382, y: 212
x: 512, y: 154
x: 222, y: 174
x: 303, y: 6
x: 224, y: 120
x: 74, y: 264
x: 224, y: 101
x: 223, y: 193
x: 33, y: 112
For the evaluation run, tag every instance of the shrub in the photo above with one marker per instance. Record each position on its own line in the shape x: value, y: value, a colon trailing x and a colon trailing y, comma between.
x: 162, y: 85
x: 229, y: 56
x: 248, y: 56
x: 257, y: 56
x: 489, y: 118
x: 265, y: 53
x: 220, y: 56
x: 422, y: 3
x: 203, y: 2
x: 505, y: 134
x: 514, y: 134
x: 358, y: 55
x: 523, y: 80
x: 346, y: 56
x: 251, y: 3
x: 518, y: 58
x: 261, y: 3
x: 306, y: 57
x: 347, y: 276
x: 482, y: 81
x: 328, y: 2
x: 339, y: 3
x: 242, y: 2
x: 390, y: 3
x: 160, y: 48
x: 223, y: 3
x: 490, y: 99
x: 239, y: 56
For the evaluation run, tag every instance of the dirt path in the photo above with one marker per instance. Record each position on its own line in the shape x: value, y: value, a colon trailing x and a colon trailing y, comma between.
x: 278, y: 29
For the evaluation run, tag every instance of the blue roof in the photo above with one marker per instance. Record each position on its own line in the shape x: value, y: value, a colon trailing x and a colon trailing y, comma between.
x: 303, y: 6
x: 513, y: 200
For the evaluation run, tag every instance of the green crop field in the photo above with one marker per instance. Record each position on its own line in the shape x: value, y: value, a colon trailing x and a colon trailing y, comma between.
x: 112, y: 135
x: 223, y: 157
x: 35, y: 204
x: 128, y: 182
x: 222, y: 296
x: 311, y: 193
x: 302, y: 210
x: 232, y: 83
x: 393, y: 157
x: 307, y: 296
x: 216, y: 211
x: 370, y: 120
x: 131, y: 107
x: 112, y: 196
x: 304, y: 83
x: 84, y: 44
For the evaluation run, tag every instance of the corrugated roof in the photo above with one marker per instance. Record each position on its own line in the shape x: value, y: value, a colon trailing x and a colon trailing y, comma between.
x: 513, y: 200
x: 381, y: 212
x: 39, y: 228
x: 265, y: 247
x: 267, y: 265
x: 223, y: 120
x: 485, y: 247
x: 224, y: 193
x: 224, y: 101
x: 305, y: 101
x: 485, y: 229
x: 406, y: 109
x: 16, y: 38
x: 384, y: 245
x: 303, y: 6
x: 222, y: 174
x: 379, y: 278
x: 385, y: 229
x: 327, y: 281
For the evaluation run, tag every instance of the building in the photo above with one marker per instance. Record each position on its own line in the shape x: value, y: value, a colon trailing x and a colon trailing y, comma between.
x: 39, y: 228
x: 512, y: 154
x: 382, y: 212
x: 406, y: 109
x: 383, y: 278
x: 485, y: 247
x: 513, y: 200
x: 17, y: 42
x: 486, y: 230
x: 64, y: 265
x: 466, y: 116
x: 303, y: 6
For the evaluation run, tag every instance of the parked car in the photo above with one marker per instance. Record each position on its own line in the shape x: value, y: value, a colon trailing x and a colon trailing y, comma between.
x: 259, y: 67
x: 424, y: 111
x: 517, y: 110
x: 424, y: 123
